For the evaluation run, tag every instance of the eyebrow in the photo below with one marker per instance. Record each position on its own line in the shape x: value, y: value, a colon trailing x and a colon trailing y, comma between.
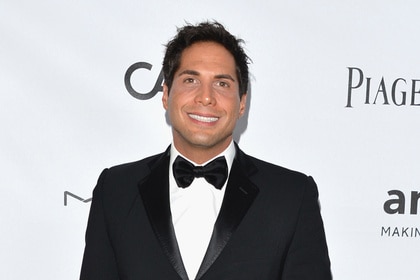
x: 225, y: 76
x: 189, y: 72
x: 196, y: 73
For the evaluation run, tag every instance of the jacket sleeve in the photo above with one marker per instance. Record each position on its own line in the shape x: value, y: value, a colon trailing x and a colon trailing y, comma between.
x: 98, y: 261
x: 307, y: 257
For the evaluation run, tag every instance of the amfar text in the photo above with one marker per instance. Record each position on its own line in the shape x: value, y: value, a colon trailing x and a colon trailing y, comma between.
x: 397, y: 205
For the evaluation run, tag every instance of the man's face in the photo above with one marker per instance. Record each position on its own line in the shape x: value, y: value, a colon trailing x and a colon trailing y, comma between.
x: 203, y: 103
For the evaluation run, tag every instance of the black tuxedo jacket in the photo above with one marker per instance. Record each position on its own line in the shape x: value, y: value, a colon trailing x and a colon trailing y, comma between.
x: 269, y: 226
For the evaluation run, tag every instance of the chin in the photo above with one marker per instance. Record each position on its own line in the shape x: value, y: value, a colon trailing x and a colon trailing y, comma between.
x: 209, y: 143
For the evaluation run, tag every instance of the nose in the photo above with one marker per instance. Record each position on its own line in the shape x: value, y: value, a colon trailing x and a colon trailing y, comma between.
x: 205, y: 96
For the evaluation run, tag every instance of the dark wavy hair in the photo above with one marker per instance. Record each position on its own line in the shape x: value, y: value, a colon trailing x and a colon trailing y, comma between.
x: 205, y: 32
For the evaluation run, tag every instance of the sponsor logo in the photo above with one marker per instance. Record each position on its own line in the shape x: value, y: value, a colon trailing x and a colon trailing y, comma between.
x: 401, y: 204
x: 400, y: 231
x: 380, y: 91
x: 397, y: 205
x: 68, y: 194
x: 129, y: 86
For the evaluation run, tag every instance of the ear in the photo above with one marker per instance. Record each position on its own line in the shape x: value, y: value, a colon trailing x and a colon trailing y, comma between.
x: 165, y: 96
x: 242, y: 105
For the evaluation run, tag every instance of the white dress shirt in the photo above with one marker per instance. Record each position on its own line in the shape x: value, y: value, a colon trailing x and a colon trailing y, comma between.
x: 194, y: 211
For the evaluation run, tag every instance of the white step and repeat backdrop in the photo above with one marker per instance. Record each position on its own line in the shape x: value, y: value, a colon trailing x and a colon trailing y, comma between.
x: 335, y: 94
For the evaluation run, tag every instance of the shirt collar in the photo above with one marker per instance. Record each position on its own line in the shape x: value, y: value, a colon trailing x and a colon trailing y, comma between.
x: 228, y: 153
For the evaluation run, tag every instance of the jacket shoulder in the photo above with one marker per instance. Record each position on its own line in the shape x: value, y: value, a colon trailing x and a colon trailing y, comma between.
x: 276, y: 181
x: 122, y: 179
x: 270, y: 169
x: 135, y: 165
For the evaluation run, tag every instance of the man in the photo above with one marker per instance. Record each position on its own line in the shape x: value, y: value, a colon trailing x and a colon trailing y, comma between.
x: 162, y: 218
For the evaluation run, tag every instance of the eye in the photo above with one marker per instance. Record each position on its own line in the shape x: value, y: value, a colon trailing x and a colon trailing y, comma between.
x: 223, y: 84
x: 189, y: 80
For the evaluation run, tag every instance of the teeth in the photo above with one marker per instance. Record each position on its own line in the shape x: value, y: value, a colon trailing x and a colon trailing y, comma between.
x: 203, y: 119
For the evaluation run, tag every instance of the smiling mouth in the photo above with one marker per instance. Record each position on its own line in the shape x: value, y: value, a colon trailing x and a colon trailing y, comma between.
x: 202, y: 118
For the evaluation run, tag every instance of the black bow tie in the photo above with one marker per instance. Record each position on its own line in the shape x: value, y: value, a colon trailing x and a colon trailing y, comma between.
x: 215, y: 172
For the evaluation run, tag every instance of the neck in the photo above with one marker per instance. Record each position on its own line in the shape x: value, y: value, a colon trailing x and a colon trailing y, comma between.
x: 201, y: 154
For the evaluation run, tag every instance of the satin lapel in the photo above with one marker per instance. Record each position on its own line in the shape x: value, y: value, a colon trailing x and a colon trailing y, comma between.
x: 154, y: 191
x: 239, y: 195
